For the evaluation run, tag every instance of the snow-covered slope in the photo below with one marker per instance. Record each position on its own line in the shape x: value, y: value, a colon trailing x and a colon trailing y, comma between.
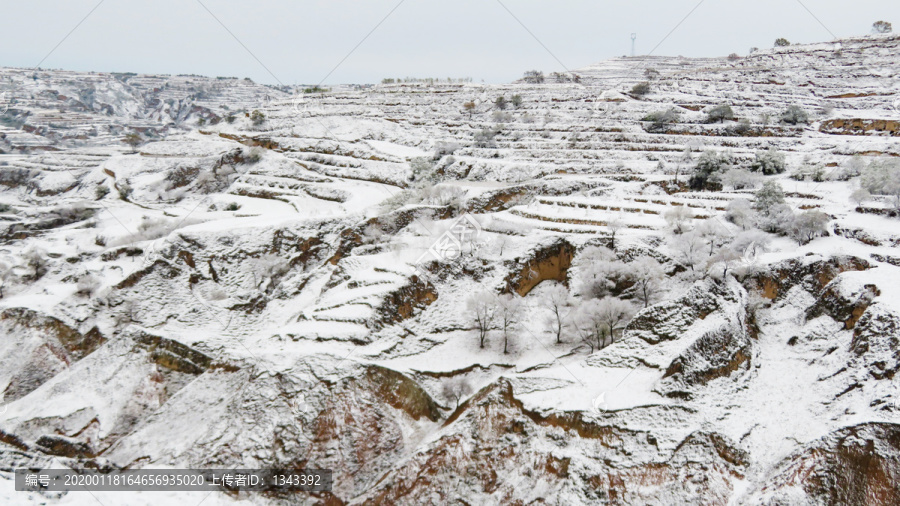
x: 263, y: 281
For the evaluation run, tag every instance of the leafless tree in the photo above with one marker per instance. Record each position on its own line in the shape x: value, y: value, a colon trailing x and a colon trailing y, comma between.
x: 678, y: 218
x: 482, y: 307
x: 509, y: 312
x: 558, y: 301
x: 614, y: 225
x: 689, y: 249
x: 647, y: 275
x: 456, y: 389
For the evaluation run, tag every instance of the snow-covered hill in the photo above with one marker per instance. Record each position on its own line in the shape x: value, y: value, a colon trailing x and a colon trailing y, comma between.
x: 280, y: 278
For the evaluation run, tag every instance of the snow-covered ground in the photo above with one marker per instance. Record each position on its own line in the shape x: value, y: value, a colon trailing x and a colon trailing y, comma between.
x: 174, y: 304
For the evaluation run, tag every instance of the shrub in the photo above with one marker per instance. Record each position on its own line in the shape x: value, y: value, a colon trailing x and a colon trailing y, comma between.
x: 882, y: 27
x: 469, y: 107
x: 734, y: 57
x: 500, y: 103
x: 640, y: 89
x: 651, y: 74
x: 708, y: 169
x: 253, y: 155
x: 229, y: 119
x: 882, y: 177
x: 125, y: 190
x: 87, y: 285
x: 232, y: 206
x: 782, y: 42
x: 134, y: 140
x: 719, y: 113
x: 660, y: 119
x: 484, y: 138
x: 516, y: 101
x: 740, y: 179
x: 810, y: 172
x: 422, y: 169
x: 768, y: 197
x: 808, y: 225
x: 533, y: 77
x: 794, y: 115
x: 769, y: 162
x: 257, y: 118
x: 742, y: 128
x: 101, y: 191
x: 36, y: 262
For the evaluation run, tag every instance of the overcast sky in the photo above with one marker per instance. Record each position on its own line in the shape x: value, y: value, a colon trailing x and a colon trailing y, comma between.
x: 301, y: 41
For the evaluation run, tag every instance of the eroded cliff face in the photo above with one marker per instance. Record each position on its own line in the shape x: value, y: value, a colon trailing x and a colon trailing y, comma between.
x: 853, y: 465
x: 550, y: 262
x: 494, y: 450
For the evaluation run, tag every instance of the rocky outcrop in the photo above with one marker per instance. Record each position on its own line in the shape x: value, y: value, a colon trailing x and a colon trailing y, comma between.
x: 171, y: 354
x: 842, y: 304
x: 493, y: 450
x: 857, y: 126
x: 60, y: 346
x: 550, y: 262
x: 716, y: 354
x: 854, y: 465
x: 812, y: 273
x: 876, y: 343
x: 402, y: 304
x: 669, y: 320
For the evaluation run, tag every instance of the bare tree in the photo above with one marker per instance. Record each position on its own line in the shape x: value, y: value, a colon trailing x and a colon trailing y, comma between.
x: 456, y: 389
x: 133, y: 140
x: 614, y: 313
x: 614, y: 225
x: 714, y: 233
x: 558, y: 301
x: 482, y: 308
x: 509, y: 312
x: 882, y: 27
x: 647, y: 274
x: 741, y: 213
x: 589, y: 325
x: 678, y: 218
x: 690, y: 249
x: 599, y: 319
x: 808, y: 225
x: 725, y: 256
x: 860, y: 195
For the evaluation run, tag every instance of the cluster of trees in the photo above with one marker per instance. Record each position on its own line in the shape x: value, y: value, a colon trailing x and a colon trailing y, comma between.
x: 770, y: 213
x: 593, y: 321
x: 501, y: 103
x: 608, y: 293
x: 425, y: 80
x: 533, y: 77
x: 792, y: 115
x: 719, y: 168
